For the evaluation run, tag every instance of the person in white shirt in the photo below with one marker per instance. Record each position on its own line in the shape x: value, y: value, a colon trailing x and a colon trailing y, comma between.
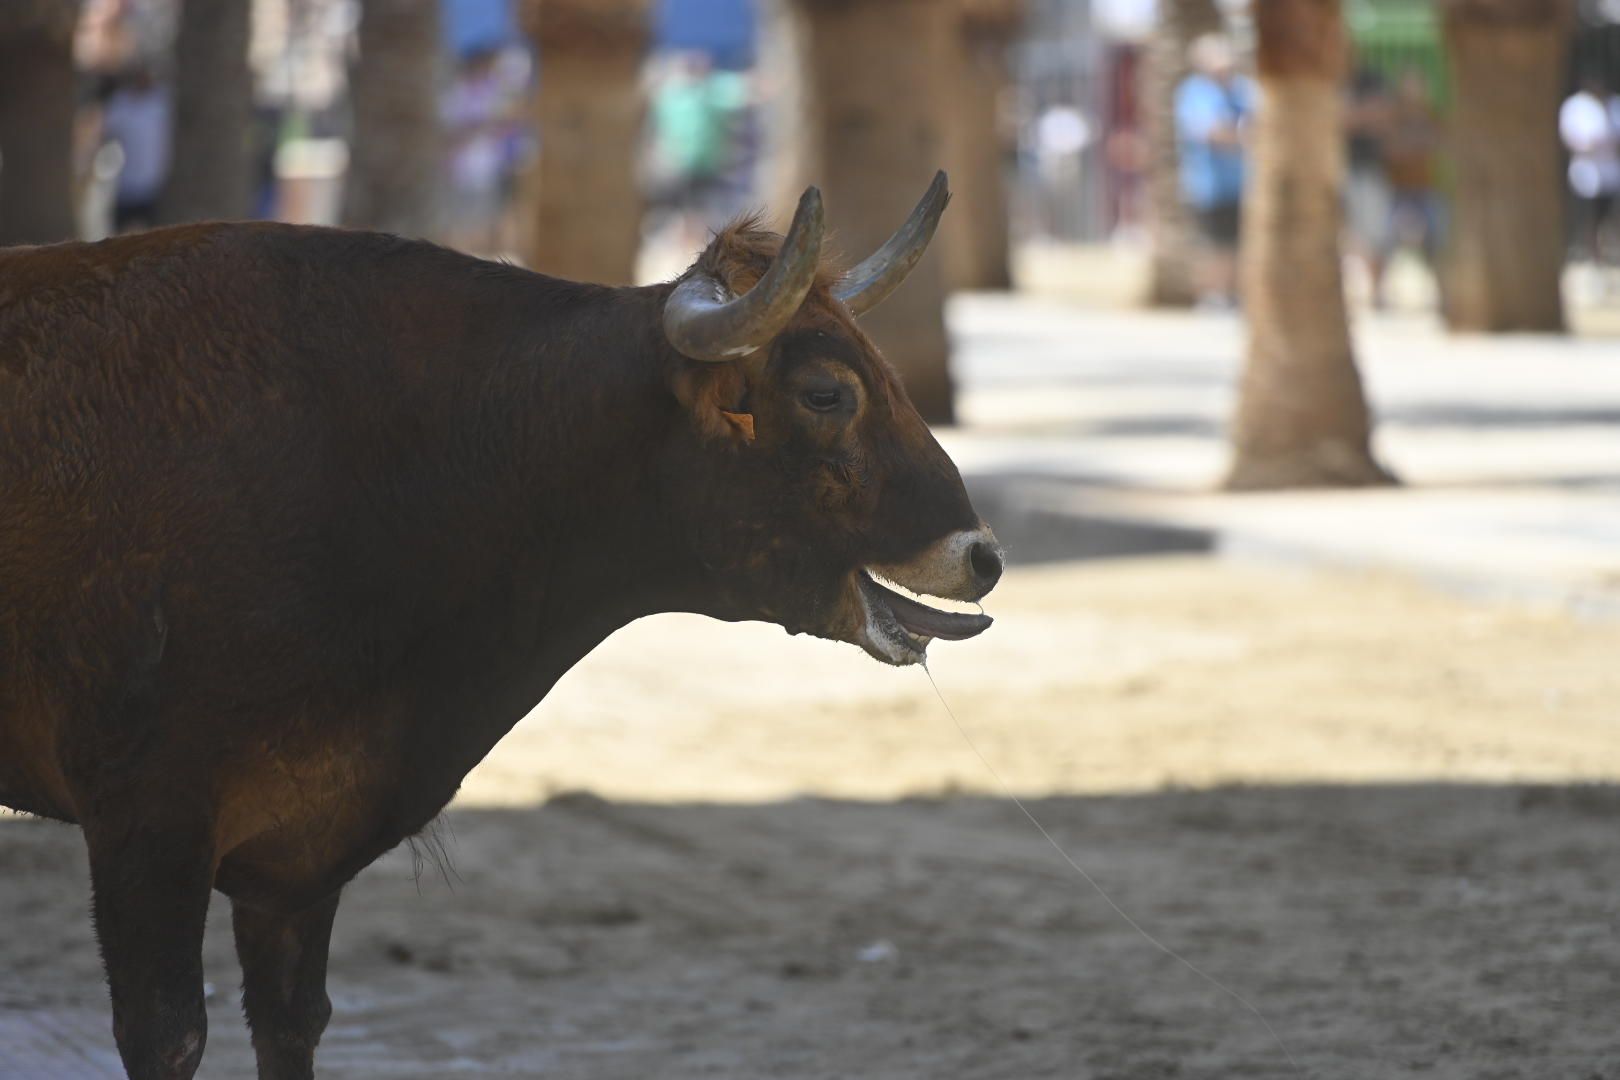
x: 1589, y: 123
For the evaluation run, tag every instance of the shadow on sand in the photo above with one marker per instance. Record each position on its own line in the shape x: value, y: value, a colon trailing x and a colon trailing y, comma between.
x: 1390, y: 931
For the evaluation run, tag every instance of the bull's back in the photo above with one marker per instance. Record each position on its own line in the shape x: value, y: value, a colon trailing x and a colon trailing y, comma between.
x: 144, y: 392
x: 180, y: 413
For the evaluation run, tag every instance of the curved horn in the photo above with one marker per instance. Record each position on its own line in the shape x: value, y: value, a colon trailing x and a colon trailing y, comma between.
x: 702, y: 320
x: 866, y: 286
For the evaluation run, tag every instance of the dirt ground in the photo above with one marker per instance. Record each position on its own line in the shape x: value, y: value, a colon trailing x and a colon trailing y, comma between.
x: 1382, y: 814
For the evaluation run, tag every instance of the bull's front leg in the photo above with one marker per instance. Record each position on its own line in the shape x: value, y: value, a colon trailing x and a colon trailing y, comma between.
x: 151, y: 881
x: 149, y: 827
x: 284, y: 984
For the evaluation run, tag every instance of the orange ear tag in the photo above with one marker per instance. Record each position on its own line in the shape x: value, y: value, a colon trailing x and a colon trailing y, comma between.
x: 743, y: 422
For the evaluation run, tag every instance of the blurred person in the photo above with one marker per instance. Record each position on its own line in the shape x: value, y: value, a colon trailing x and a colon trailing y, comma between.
x: 1367, y: 191
x: 695, y: 112
x: 106, y: 38
x: 1126, y: 152
x: 1212, y: 109
x: 139, y: 116
x: 269, y: 119
x: 482, y: 118
x: 92, y: 182
x: 1589, y: 122
x: 1411, y: 148
x: 1061, y: 134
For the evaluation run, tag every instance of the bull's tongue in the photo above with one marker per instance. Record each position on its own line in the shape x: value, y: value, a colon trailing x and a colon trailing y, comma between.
x: 925, y: 621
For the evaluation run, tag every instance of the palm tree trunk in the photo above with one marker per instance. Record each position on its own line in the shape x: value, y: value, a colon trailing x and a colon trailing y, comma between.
x: 1507, y: 61
x: 785, y: 164
x: 582, y: 197
x: 1171, y: 278
x: 213, y: 113
x: 976, y: 233
x: 36, y: 121
x: 396, y: 158
x: 876, y: 87
x: 1302, y: 420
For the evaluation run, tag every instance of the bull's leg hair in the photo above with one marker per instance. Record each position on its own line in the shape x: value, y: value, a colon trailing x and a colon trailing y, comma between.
x: 284, y: 984
x: 150, y: 883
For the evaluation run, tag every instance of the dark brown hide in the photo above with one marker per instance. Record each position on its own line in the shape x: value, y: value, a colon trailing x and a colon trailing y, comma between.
x: 299, y: 522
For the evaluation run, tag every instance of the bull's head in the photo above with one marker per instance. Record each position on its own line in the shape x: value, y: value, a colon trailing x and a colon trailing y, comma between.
x: 806, y: 477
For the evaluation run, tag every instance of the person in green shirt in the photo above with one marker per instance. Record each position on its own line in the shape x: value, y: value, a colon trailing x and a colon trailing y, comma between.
x: 695, y: 113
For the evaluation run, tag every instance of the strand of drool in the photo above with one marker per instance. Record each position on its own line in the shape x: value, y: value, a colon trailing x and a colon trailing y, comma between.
x: 1006, y: 790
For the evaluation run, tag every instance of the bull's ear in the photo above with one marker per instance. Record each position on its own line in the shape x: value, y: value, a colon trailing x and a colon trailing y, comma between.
x: 741, y: 422
x: 711, y: 394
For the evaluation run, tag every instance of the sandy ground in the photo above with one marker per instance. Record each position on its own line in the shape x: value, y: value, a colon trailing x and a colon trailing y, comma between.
x: 1381, y: 814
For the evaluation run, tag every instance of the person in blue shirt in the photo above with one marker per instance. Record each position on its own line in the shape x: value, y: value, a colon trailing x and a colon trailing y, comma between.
x: 1212, y: 109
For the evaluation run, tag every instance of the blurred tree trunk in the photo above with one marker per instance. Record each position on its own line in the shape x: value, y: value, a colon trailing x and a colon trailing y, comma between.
x: 1302, y: 420
x: 396, y: 157
x: 582, y: 197
x: 1171, y: 271
x: 877, y: 75
x: 1507, y: 60
x: 36, y: 121
x: 213, y: 113
x: 784, y: 166
x: 976, y: 232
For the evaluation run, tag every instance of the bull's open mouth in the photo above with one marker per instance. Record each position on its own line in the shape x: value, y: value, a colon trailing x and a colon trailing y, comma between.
x: 899, y: 628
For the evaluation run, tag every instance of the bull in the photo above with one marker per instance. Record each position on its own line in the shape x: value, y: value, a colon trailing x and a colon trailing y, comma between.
x: 296, y: 523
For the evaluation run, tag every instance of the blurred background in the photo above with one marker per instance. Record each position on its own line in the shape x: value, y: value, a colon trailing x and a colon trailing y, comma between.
x: 1279, y: 340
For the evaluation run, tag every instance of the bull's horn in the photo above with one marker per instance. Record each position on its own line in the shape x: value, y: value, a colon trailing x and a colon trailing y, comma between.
x: 704, y: 321
x: 866, y: 286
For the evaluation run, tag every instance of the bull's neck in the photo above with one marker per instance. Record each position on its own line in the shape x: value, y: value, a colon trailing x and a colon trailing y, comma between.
x: 574, y: 524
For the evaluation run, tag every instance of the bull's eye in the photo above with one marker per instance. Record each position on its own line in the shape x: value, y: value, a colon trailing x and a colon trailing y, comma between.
x: 822, y: 400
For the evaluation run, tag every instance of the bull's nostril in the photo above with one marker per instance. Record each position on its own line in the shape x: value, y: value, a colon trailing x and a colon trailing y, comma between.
x: 986, y: 562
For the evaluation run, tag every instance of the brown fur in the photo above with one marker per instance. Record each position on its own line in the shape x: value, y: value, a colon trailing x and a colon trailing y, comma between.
x: 740, y: 252
x: 298, y: 522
